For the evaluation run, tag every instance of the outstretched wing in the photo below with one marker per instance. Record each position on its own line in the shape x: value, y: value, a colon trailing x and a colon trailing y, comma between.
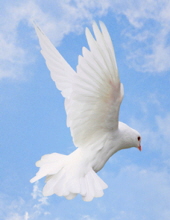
x: 61, y: 71
x: 93, y: 94
x: 97, y: 92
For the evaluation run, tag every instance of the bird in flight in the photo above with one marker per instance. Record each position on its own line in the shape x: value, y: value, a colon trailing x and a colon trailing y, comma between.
x: 93, y: 94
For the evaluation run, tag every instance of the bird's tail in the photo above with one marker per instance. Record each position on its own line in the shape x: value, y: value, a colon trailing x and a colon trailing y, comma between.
x: 67, y: 177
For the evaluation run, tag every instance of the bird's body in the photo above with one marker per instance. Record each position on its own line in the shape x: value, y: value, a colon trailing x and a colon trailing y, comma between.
x: 93, y: 96
x: 97, y: 154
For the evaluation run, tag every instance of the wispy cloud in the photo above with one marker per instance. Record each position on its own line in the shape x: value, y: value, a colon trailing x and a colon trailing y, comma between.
x: 14, y: 56
x: 22, y: 209
x: 40, y: 201
x: 147, y: 45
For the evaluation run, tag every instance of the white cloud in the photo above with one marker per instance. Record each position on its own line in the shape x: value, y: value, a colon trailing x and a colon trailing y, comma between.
x: 26, y: 217
x: 16, y: 216
x: 14, y: 56
x: 147, y: 44
x: 20, y: 209
x: 41, y: 200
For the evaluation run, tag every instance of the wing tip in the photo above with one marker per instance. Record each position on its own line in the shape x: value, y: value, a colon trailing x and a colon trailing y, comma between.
x: 87, y: 31
x: 102, y: 24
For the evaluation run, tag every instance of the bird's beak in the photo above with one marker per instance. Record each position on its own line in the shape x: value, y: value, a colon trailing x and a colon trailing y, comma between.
x: 140, y: 148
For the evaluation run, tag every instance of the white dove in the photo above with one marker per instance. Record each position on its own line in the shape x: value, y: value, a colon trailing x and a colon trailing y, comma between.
x: 93, y: 95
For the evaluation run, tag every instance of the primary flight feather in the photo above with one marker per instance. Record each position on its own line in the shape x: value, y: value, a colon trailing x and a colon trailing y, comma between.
x: 93, y: 95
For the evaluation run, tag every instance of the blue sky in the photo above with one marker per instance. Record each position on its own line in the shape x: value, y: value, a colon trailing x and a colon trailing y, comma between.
x: 33, y: 120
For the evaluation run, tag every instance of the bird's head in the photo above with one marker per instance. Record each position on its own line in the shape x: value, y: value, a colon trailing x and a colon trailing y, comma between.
x: 135, y: 139
x: 131, y: 137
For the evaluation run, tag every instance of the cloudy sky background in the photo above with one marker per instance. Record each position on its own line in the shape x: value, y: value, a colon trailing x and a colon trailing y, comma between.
x: 32, y: 116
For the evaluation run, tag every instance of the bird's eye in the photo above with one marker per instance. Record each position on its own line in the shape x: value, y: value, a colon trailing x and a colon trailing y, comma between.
x: 138, y: 138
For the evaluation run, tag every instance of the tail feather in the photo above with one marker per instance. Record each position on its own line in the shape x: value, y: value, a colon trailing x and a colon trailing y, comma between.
x: 82, y: 186
x: 53, y: 185
x: 94, y: 186
x: 66, y: 176
x: 71, y: 196
x: 49, y: 164
x: 49, y: 158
